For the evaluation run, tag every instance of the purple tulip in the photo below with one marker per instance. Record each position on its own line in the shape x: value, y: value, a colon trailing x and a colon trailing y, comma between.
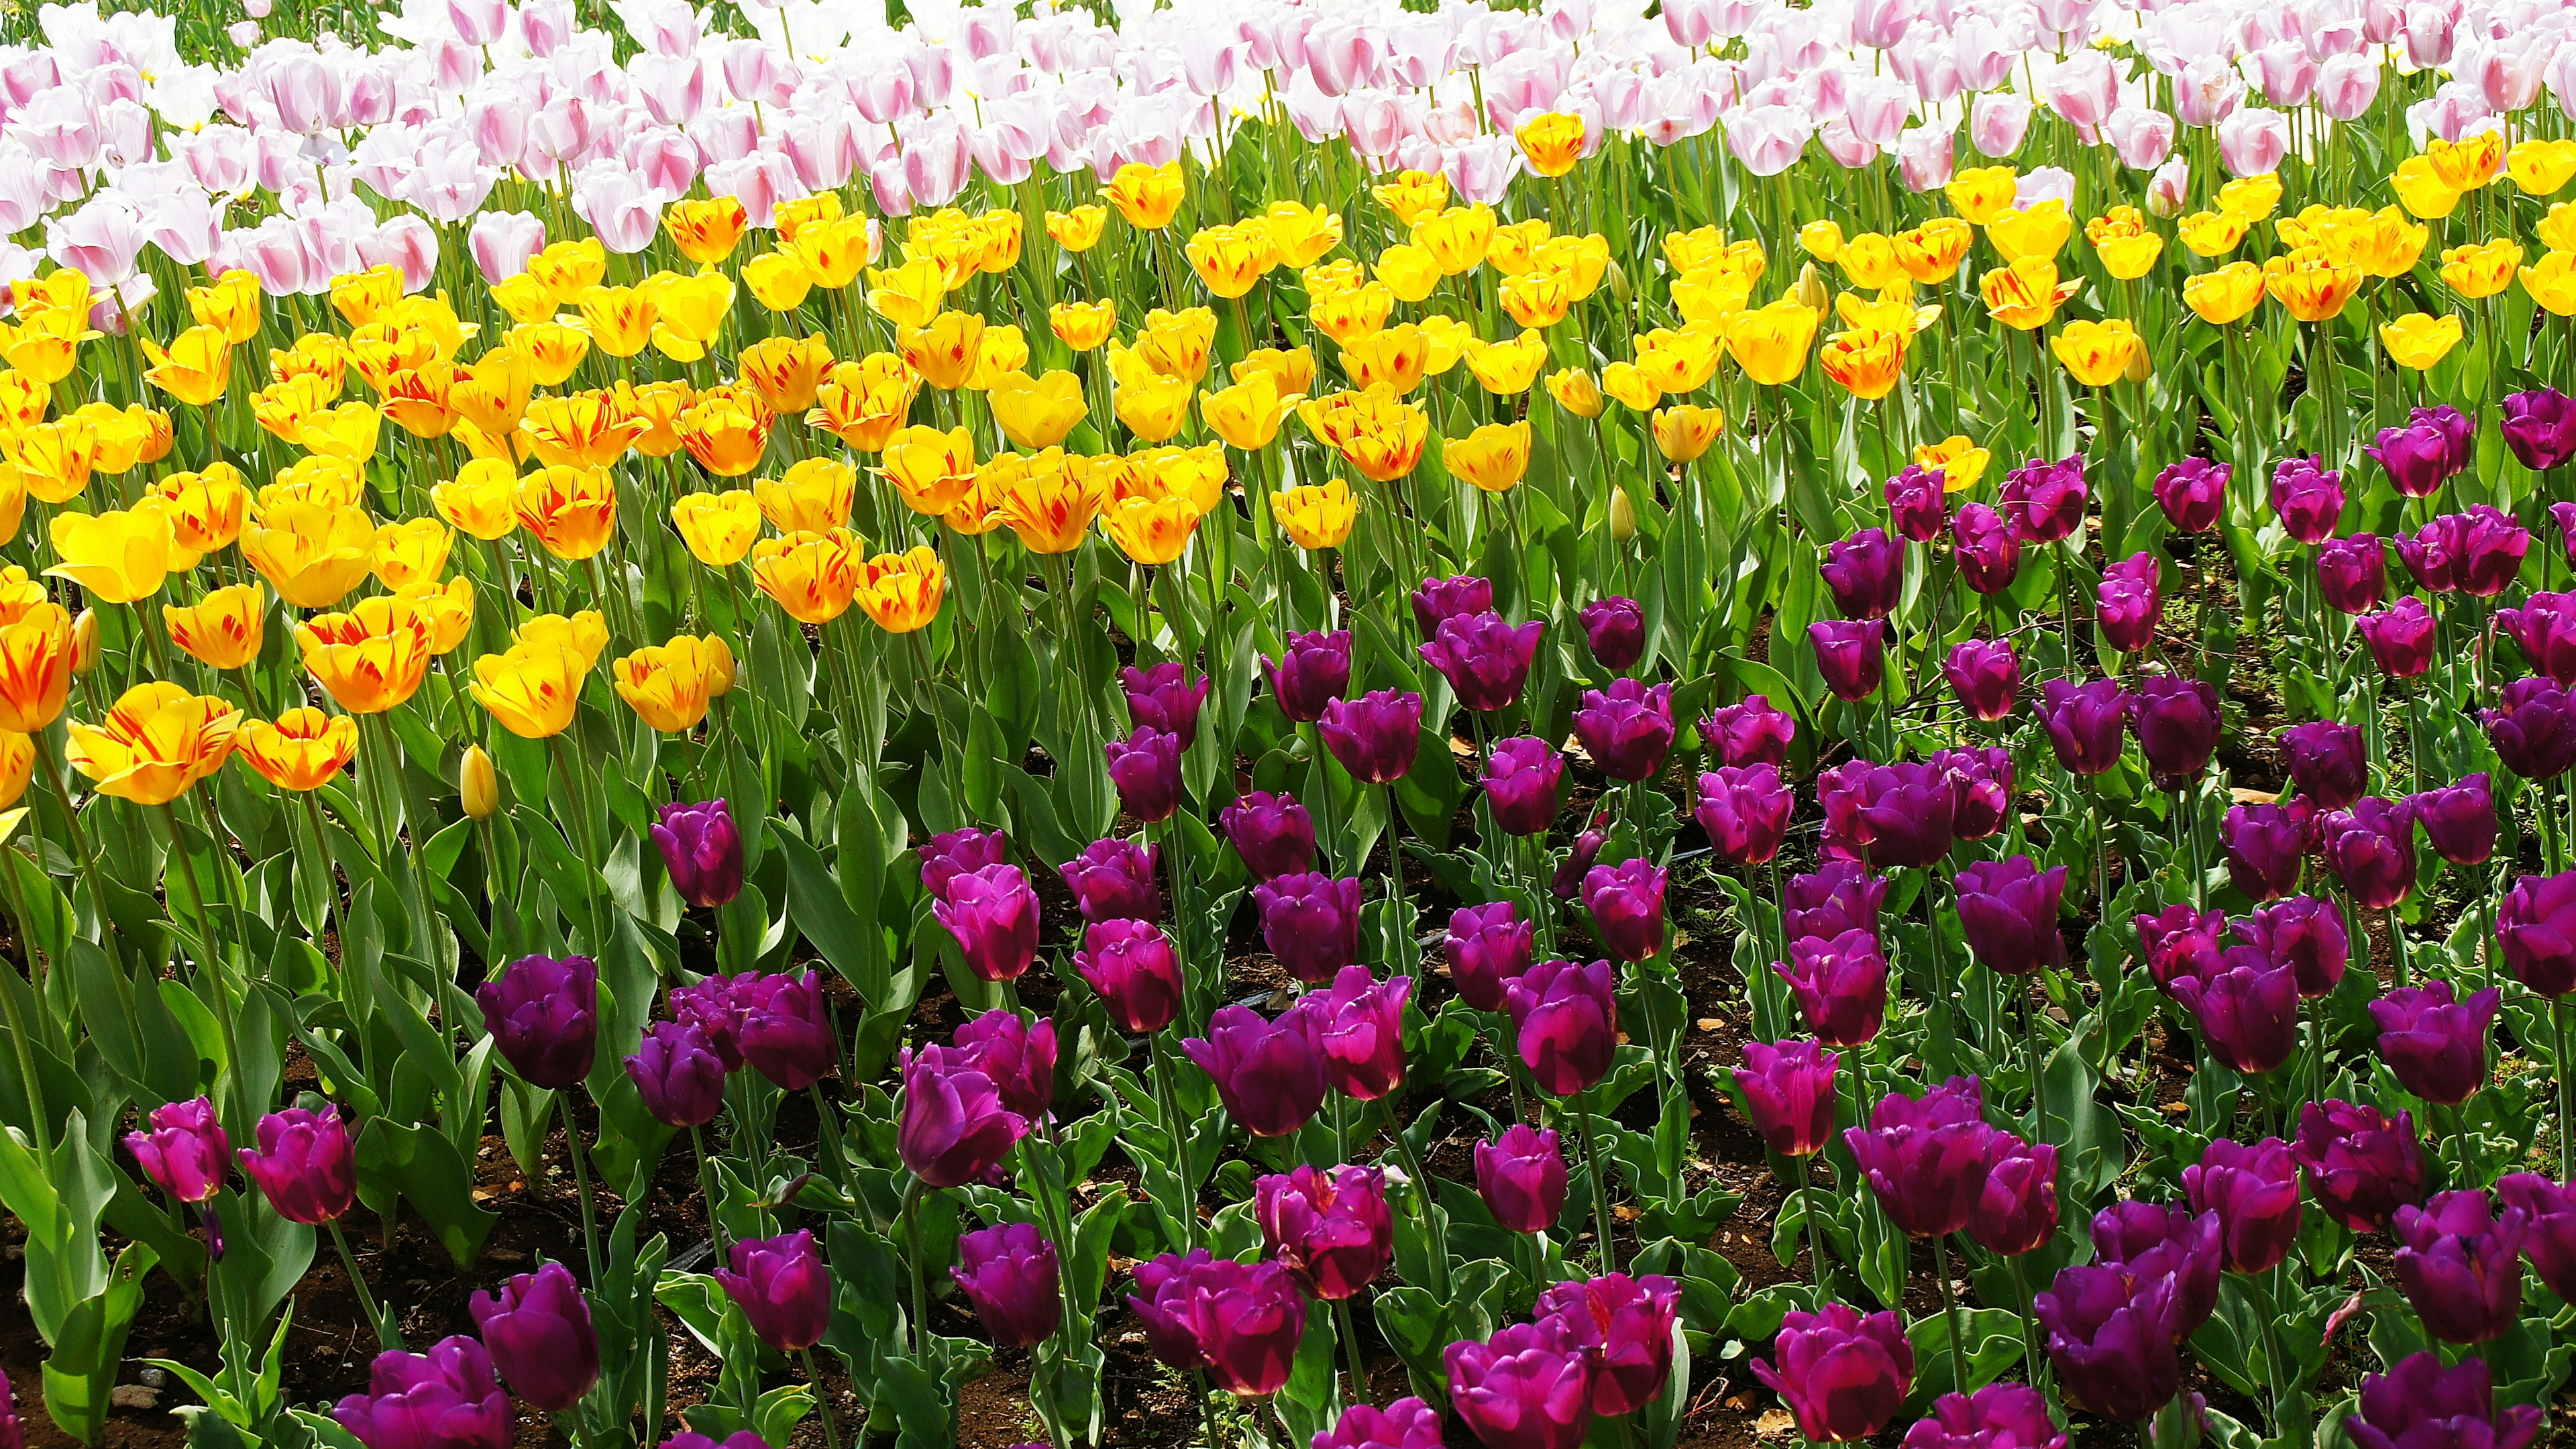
x: 2308, y: 497
x: 786, y: 1028
x: 1614, y: 629
x: 1521, y: 1177
x: 2177, y: 724
x: 2017, y: 1207
x: 1113, y: 880
x: 1376, y: 735
x: 539, y: 1333
x: 1328, y: 1227
x: 2191, y: 493
x: 2422, y: 455
x: 2083, y: 722
x: 701, y: 850
x: 2422, y: 1403
x: 13, y: 1436
x: 304, y: 1164
x: 2540, y: 427
x: 1985, y: 675
x: 2129, y: 603
x: 1310, y: 673
x: 1916, y: 502
x: 1524, y: 1388
x: 953, y: 853
x: 1133, y: 967
x: 993, y: 913
x: 2534, y: 732
x: 782, y: 1287
x: 1270, y: 1074
x: 678, y: 1075
x: 2479, y: 552
x: 2352, y: 573
x: 1745, y: 812
x: 2247, y: 1010
x: 1146, y: 768
x: 186, y: 1153
x: 2151, y: 1240
x: 2327, y: 762
x: 1626, y: 728
x: 2371, y: 849
x: 1408, y: 1423
x: 1627, y: 906
x: 2266, y: 844
x: 1238, y: 1321
x: 2460, y: 1263
x: 1987, y: 546
x: 1018, y: 1056
x: 2459, y: 820
x: 1841, y: 986
x: 1273, y: 834
x: 447, y: 1398
x: 1311, y: 922
x: 1164, y: 700
x: 1750, y: 733
x: 1865, y: 573
x: 1567, y: 882
x: 2549, y: 1215
x: 714, y: 1007
x: 1926, y: 1157
x: 1521, y: 781
x: 2400, y: 637
x: 1437, y: 599
x: 2110, y: 1337
x: 2179, y: 944
x: 2437, y: 1046
x: 2008, y: 912
x: 1843, y: 1375
x: 1359, y: 1026
x: 2544, y: 629
x: 543, y: 1013
x: 955, y: 1126
x: 1486, y: 946
x: 1009, y: 1273
x: 1789, y: 1095
x: 2564, y: 515
x: 1625, y: 1328
x: 1484, y: 658
x: 1890, y: 815
x: 2254, y: 1193
x: 1841, y: 896
x: 2305, y: 934
x: 1851, y: 655
x: 1566, y: 1023
x: 1999, y: 1416
x: 2045, y: 500
x: 2360, y: 1164
x: 1981, y: 783
x: 2536, y: 929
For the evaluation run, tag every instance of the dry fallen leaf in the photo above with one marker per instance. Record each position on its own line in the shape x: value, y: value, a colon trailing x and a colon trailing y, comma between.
x: 1775, y: 1424
x: 1710, y: 1023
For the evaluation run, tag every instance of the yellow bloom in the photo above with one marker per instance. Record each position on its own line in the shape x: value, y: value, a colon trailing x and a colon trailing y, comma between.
x: 53, y: 459
x: 705, y: 231
x: 726, y: 431
x: 1292, y: 368
x: 1077, y: 230
x: 1347, y: 314
x: 223, y: 630
x: 1959, y: 462
x: 2418, y: 341
x: 1377, y: 433
x: 493, y: 393
x: 1822, y: 239
x: 2039, y: 231
x: 1196, y: 475
x: 2212, y: 233
x: 524, y: 298
x: 1981, y: 193
x: 584, y: 633
x: 1631, y: 384
x: 347, y: 432
x: 687, y: 311
x: 946, y: 349
x: 1865, y: 364
x: 231, y: 304
x: 667, y: 684
x: 1575, y: 392
x: 119, y: 557
x: 1395, y: 357
x: 47, y: 347
x: 1051, y: 509
x: 569, y: 268
x: 2552, y: 283
x: 2422, y: 189
x: 582, y: 430
x: 1771, y: 343
x: 2466, y: 164
x: 1229, y: 259
x: 22, y: 401
x: 1456, y: 238
x: 1302, y: 234
x: 2027, y: 294
x: 2222, y: 296
x: 371, y: 658
x: 2384, y: 243
x: 1509, y: 252
x: 931, y: 470
x: 786, y: 370
x: 447, y: 609
x: 36, y: 663
x: 301, y: 750
x: 479, y: 498
x: 833, y: 252
x: 1316, y: 515
x: 1002, y: 352
x: 1151, y: 531
x: 359, y: 296
x: 1685, y: 431
x: 1551, y: 141
x: 1494, y: 457
x: 814, y: 497
x: 1153, y: 407
x: 1148, y: 196
x: 2121, y: 239
x: 1409, y: 271
x: 1536, y: 300
x: 331, y: 482
x: 717, y: 527
x: 2481, y: 269
x: 286, y: 405
x: 2309, y: 285
x: 863, y: 402
x: 411, y: 551
x: 1249, y: 413
x: 532, y: 691
x: 206, y: 506
x: 1869, y: 261
x: 195, y: 368
x: 157, y: 740
x: 1083, y: 326
x: 2542, y: 167
x: 1038, y: 412
x: 901, y: 592
x: 778, y: 280
x: 1506, y: 368
x: 478, y: 785
x: 1177, y: 344
x: 2096, y: 353
x: 1412, y: 195
x: 570, y: 511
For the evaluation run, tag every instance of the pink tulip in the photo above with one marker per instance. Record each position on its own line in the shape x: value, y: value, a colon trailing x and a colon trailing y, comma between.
x: 407, y: 243
x: 1373, y: 122
x: 502, y: 242
x: 2510, y: 73
x: 101, y: 240
x: 2143, y: 138
x: 1880, y: 24
x: 825, y: 151
x: 2253, y: 141
x: 545, y: 25
x: 1877, y: 108
x: 1996, y: 123
x: 1931, y: 67
x: 2289, y: 73
x: 2207, y: 91
x: 1923, y: 157
x: 986, y: 31
x: 1691, y: 23
x: 185, y: 226
x: 1481, y: 170
x: 1342, y: 55
x: 304, y: 89
x: 1988, y: 50
x: 2347, y: 85
x: 2428, y: 33
x: 478, y: 22
x: 619, y: 207
x: 665, y: 159
x: 2169, y: 190
x: 2084, y: 90
x: 934, y: 74
x: 883, y: 94
x: 1768, y: 139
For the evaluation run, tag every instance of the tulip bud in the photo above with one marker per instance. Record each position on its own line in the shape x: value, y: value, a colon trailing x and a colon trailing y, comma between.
x: 85, y: 642
x: 1615, y: 278
x: 1812, y: 293
x: 479, y: 783
x: 2139, y: 367
x: 1623, y: 516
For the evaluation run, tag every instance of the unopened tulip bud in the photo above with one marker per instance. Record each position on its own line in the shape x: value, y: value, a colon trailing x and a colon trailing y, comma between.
x: 1812, y: 293
x: 2139, y: 367
x: 1615, y: 278
x: 1623, y: 516
x: 478, y: 783
x: 85, y: 642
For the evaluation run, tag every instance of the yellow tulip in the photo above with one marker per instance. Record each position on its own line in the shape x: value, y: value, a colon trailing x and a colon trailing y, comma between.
x: 2026, y: 294
x: 157, y: 740
x: 1347, y: 314
x: 1003, y: 351
x: 833, y: 252
x: 448, y: 609
x: 1153, y: 407
x: 36, y: 664
x: 788, y: 371
x: 931, y: 470
x: 717, y: 527
x: 119, y: 557
x: 1051, y: 509
x: 2552, y: 283
x: 815, y: 496
x: 1248, y: 414
x: 811, y: 575
x: 1536, y: 300
x: 1575, y: 392
x: 1395, y: 357
x: 532, y: 692
x: 2121, y: 239
x: 1151, y: 531
x: 1038, y: 412
x: 2418, y: 341
x: 705, y: 231
x: 224, y: 629
x: 946, y: 349
x: 1077, y: 230
x: 667, y: 684
x: 2542, y: 167
x: 584, y: 633
x: 359, y: 296
x: 206, y: 507
x: 1083, y: 326
x: 370, y: 658
x: 1148, y: 196
x: 1494, y: 457
x: 1866, y: 364
x: 1229, y: 259
x: 583, y: 430
x: 779, y: 281
x: 1981, y: 193
x: 1301, y: 235
x: 2422, y: 190
x: 1631, y: 384
x: 2309, y: 285
x: 1507, y: 368
x: 1456, y: 238
x: 1412, y: 195
x: 1822, y: 239
x: 1551, y: 141
x: 1409, y: 271
x: 1196, y: 475
x: 2468, y: 163
x: 196, y: 368
x: 2481, y: 269
x: 1959, y: 462
x: 1932, y: 252
x: 2096, y: 353
x: 411, y: 551
x: 862, y: 403
x: 301, y: 750
x: 480, y: 498
x: 726, y: 431
x: 231, y: 304
x: 1685, y: 431
x: 1316, y: 515
x: 2223, y: 296
x: 570, y: 511
x: 494, y: 392
x: 1376, y: 432
x: 53, y: 459
x: 478, y: 784
x: 901, y: 592
x: 1771, y: 343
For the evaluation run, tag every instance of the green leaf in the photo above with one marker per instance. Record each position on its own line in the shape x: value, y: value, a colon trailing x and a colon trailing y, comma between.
x: 90, y: 1347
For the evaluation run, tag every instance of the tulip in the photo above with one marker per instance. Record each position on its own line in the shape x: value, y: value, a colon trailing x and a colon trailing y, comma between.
x: 1841, y: 896
x: 13, y: 1435
x: 1566, y: 1023
x: 2549, y: 1216
x: 1359, y: 1026
x: 1311, y: 922
x: 954, y: 1125
x: 1850, y: 655
x: 2359, y: 1164
x: 1163, y: 699
x: 1112, y: 880
x: 2327, y: 762
x: 1146, y: 768
x: 2540, y: 427
x: 1329, y: 1228
x: 1438, y: 599
x: 446, y: 1398
x: 2045, y: 500
x: 1270, y: 1074
x: 1614, y: 629
x: 2536, y: 930
x: 2008, y: 912
x: 1841, y: 985
x: 2308, y: 497
x: 993, y: 914
x: 2110, y: 1336
x: 1627, y: 906
x: 1017, y: 1057
x: 785, y: 1030
x: 701, y: 850
x: 2418, y: 456
x: 1981, y: 783
x: 2371, y: 850
x: 1273, y: 834
x: 950, y: 854
x: 2265, y: 845
x: 2247, y: 1010
x: 1789, y: 1095
x: 1484, y: 658
x: 1915, y: 505
x: 2436, y: 1046
x: 1926, y: 1157
x: 2534, y: 732
x: 1524, y: 1388
x: 186, y: 1153
x: 782, y: 1287
x: 2191, y: 493
x: 2421, y: 1402
x: 539, y: 1332
x: 2352, y: 573
x: 2177, y: 724
x: 1239, y: 1321
x: 2400, y: 637
x: 1376, y: 736
x: 677, y: 1074
x: 2254, y: 1193
x: 1133, y: 967
x: 1311, y: 671
x: 543, y: 1014
x: 1999, y: 1416
x: 1745, y: 812
x: 1866, y: 574
x: 1625, y: 1328
x: 2460, y: 1263
x: 1486, y: 946
x: 1567, y: 882
x: 2479, y: 552
x: 2544, y: 628
x: 1627, y: 728
x: 1890, y: 815
x: 2304, y: 934
x: 1009, y: 1273
x: 2150, y: 1240
x: 1985, y: 675
x: 1521, y: 1176
x: 1521, y: 781
x: 1988, y: 548
x: 2179, y: 944
x: 1750, y: 733
x: 2083, y: 722
x: 305, y: 1163
x: 1844, y: 1376
x: 1408, y: 1423
x: 2017, y: 1208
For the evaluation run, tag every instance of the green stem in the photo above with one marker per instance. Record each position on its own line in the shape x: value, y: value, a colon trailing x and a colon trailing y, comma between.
x: 1600, y: 1185
x: 376, y: 1324
x: 581, y: 1184
x: 1950, y: 1312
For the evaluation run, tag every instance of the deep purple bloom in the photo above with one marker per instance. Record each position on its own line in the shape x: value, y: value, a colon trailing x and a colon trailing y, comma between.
x: 1841, y: 986
x: 2179, y: 943
x: 993, y: 913
x: 1238, y: 1321
x: 1133, y: 967
x: 1017, y: 1055
x: 2308, y: 497
x: 2352, y: 573
x: 1627, y: 906
x: 2540, y: 427
x: 1270, y: 1074
x: 1981, y: 781
x: 2017, y: 1208
x: 2045, y: 500
x: 2004, y: 1415
x: 2420, y: 456
x: 1865, y: 573
x: 1789, y: 1094
x: 2544, y: 629
x: 1916, y: 503
x: 781, y: 1285
x: 2129, y: 603
x: 1486, y: 947
x: 2421, y: 1403
x: 1851, y: 655
x: 1987, y: 547
x: 2083, y: 722
x: 1359, y: 1026
x: 701, y: 850
x: 2460, y: 1262
x: 1521, y: 1177
x: 538, y: 1330
x: 1009, y: 1273
x: 2536, y: 929
x: 2305, y: 934
x: 1113, y: 880
x: 954, y: 1126
x: 1311, y: 922
x: 1273, y: 833
x: 2435, y: 1044
x: 1615, y: 630
x: 2371, y: 849
x: 1745, y: 812
x: 1376, y: 735
x: 447, y: 1398
x: 1890, y: 815
x: 2110, y: 1336
x: 2478, y: 552
x: 2254, y: 1192
x: 2008, y: 912
x: 1408, y: 1423
x: 1985, y: 675
x: 1567, y: 882
x: 1926, y: 1157
x: 1625, y: 1327
x: 1330, y: 1227
x: 1309, y: 673
x: 2166, y: 1240
x: 2327, y: 762
x: 1566, y: 1023
x: 678, y: 1075
x: 2458, y: 819
x: 13, y: 1436
x: 1844, y: 1376
x: 1750, y: 733
x: 2534, y: 729
x: 1841, y: 896
x: 2191, y: 492
x: 1521, y: 780
x: 543, y: 1013
x: 2265, y: 844
x: 1163, y: 699
x: 2176, y: 721
x: 714, y: 1007
x: 1146, y: 768
x: 2564, y: 515
x: 2360, y: 1164
x: 2549, y: 1216
x: 185, y: 1152
x: 304, y: 1164
x: 1524, y: 1388
x: 1436, y: 599
x: 953, y: 853
x: 1627, y: 728
x: 1484, y: 658
x: 2400, y: 637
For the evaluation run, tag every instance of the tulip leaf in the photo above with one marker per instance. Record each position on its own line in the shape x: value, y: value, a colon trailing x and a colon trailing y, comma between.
x: 853, y: 947
x: 1994, y: 1339
x: 89, y: 1347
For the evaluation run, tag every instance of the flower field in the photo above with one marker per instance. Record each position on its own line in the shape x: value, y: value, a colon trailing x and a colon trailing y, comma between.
x: 1299, y: 724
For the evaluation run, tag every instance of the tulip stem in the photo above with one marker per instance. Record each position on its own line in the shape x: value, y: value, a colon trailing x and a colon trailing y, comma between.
x: 1433, y: 1230
x: 1815, y: 1232
x: 207, y: 962
x: 912, y: 1260
x: 2566, y: 1084
x: 822, y: 1401
x: 1600, y: 1186
x: 1950, y: 1314
x: 385, y: 1338
x: 707, y: 1190
x: 1401, y: 927
x: 1351, y: 1351
x: 581, y: 1184
x: 2030, y: 1339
